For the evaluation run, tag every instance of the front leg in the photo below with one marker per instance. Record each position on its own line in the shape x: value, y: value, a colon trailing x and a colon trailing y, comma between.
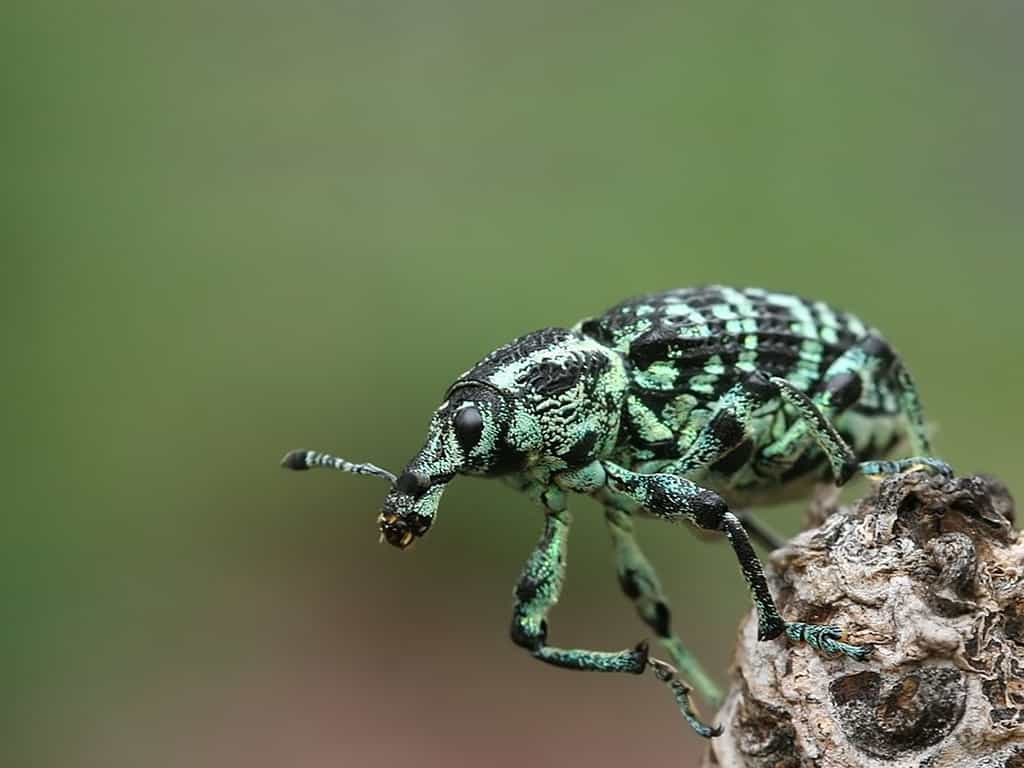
x: 674, y: 498
x: 540, y: 585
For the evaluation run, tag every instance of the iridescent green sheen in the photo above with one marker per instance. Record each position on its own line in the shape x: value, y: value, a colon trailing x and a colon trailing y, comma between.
x: 680, y: 406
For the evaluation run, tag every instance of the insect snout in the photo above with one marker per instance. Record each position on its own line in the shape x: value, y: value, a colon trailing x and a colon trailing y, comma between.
x: 409, y: 509
x: 395, y: 530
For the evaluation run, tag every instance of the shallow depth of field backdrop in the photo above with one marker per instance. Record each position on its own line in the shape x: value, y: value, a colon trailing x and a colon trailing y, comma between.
x: 238, y: 228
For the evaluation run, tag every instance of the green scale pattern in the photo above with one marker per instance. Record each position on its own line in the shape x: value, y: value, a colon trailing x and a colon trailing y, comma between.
x: 685, y: 405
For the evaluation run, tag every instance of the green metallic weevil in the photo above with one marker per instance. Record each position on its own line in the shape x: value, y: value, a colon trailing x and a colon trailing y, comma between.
x: 680, y: 405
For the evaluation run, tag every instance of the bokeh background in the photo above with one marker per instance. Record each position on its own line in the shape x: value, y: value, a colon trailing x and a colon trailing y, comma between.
x: 235, y: 228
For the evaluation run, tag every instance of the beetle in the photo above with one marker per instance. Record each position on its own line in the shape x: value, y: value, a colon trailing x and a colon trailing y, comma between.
x: 684, y: 405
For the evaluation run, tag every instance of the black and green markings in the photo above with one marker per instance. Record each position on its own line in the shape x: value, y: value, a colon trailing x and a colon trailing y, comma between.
x: 683, y: 406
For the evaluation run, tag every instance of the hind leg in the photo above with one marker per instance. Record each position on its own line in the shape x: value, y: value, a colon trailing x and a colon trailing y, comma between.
x: 727, y: 441
x: 852, y: 378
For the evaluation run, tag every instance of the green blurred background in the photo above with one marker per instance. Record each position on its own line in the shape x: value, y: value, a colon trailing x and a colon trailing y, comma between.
x: 236, y: 228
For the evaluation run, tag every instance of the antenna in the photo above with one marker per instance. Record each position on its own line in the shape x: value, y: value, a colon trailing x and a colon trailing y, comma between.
x: 302, y: 460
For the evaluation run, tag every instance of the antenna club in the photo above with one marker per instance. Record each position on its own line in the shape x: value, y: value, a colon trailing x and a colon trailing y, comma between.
x: 295, y: 460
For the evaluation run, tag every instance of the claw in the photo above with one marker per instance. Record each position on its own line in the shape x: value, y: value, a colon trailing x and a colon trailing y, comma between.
x: 643, y: 649
x: 667, y: 674
x: 862, y: 652
x: 936, y: 465
x: 827, y: 640
x: 876, y: 470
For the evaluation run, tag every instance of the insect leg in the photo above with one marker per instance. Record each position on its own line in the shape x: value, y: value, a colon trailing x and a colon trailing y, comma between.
x: 865, y: 365
x: 759, y: 532
x: 537, y: 592
x: 842, y: 458
x: 640, y: 583
x: 910, y: 404
x: 895, y: 467
x: 723, y: 439
x: 729, y: 429
x: 675, y: 498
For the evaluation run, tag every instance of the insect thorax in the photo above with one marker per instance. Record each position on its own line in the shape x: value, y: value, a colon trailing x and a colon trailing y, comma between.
x: 566, y: 393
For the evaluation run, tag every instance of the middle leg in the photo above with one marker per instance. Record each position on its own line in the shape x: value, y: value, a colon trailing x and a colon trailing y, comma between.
x: 640, y: 583
x: 537, y: 592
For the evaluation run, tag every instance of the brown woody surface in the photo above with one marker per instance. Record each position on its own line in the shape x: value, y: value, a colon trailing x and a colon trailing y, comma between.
x: 931, y: 571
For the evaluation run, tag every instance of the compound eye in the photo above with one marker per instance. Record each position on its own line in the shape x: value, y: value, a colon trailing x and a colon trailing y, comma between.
x: 469, y: 425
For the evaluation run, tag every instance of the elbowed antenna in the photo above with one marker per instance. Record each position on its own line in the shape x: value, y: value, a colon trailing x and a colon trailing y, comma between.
x: 300, y: 460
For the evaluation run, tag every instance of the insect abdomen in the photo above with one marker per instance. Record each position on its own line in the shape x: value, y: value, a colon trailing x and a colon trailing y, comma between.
x: 703, y: 339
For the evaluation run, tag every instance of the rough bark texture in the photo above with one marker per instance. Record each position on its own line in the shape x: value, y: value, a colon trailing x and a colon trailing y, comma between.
x: 931, y: 571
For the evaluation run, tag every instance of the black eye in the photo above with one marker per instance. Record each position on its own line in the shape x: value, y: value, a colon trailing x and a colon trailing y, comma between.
x: 412, y: 483
x: 469, y: 425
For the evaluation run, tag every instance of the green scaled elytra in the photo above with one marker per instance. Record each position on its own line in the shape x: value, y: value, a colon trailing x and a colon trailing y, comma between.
x: 687, y: 405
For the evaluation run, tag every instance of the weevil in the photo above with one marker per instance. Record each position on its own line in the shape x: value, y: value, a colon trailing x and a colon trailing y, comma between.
x: 686, y: 405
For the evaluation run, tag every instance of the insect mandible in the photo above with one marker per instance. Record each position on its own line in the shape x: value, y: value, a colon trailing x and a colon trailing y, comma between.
x: 683, y: 405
